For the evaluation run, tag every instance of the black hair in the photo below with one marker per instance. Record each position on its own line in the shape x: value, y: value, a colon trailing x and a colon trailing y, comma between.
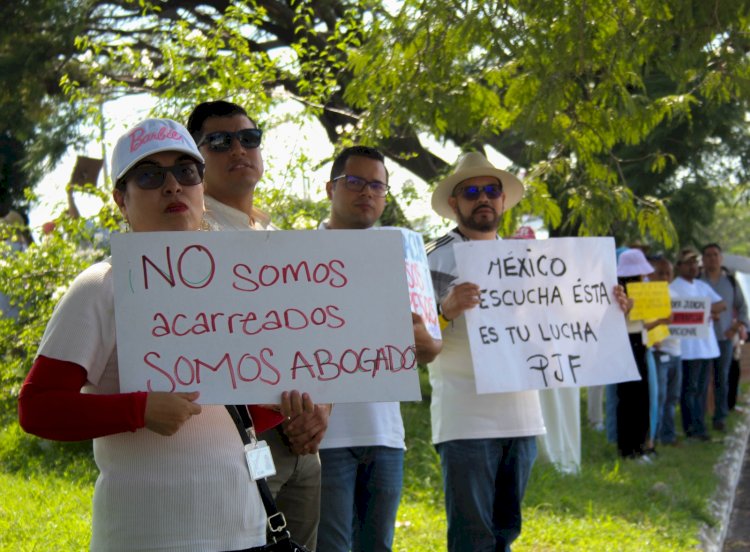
x: 358, y: 151
x: 709, y: 246
x: 206, y: 110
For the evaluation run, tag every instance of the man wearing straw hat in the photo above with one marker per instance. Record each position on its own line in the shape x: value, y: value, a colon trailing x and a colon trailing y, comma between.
x: 486, y: 443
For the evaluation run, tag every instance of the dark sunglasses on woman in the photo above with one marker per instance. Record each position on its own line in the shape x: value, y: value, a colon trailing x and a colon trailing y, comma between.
x: 151, y: 177
x: 249, y: 138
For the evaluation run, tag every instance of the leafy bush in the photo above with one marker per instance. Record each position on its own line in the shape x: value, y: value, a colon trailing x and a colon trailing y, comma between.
x: 34, y: 280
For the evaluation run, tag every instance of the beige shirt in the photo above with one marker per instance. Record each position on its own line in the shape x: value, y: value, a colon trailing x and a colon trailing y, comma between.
x: 223, y: 217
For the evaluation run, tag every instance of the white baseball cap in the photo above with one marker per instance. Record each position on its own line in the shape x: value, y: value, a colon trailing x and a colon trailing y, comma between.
x: 149, y: 137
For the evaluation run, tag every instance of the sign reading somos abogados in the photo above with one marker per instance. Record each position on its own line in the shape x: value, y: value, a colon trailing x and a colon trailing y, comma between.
x: 243, y: 316
x: 547, y: 317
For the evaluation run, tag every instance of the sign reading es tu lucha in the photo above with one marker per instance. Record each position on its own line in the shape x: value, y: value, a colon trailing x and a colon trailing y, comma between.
x: 243, y: 316
x: 547, y: 316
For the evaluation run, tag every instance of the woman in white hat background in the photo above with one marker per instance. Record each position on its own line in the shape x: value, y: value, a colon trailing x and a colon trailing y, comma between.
x: 172, y: 473
x: 633, y: 396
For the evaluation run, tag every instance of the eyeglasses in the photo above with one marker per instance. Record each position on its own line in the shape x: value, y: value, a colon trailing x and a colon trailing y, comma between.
x: 472, y: 193
x: 357, y: 184
x: 152, y: 177
x: 249, y: 138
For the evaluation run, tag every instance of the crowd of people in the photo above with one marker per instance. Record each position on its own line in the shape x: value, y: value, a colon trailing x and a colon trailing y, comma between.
x: 675, y: 371
x: 173, y: 473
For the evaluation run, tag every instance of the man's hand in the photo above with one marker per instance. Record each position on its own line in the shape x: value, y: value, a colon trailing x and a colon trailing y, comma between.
x: 166, y: 412
x: 306, y: 422
x: 460, y: 298
x: 427, y: 347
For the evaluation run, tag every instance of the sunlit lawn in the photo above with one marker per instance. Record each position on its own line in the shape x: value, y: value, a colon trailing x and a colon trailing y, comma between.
x: 46, y: 488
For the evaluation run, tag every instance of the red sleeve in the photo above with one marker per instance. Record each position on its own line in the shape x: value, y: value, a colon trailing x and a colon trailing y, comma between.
x: 52, y: 406
x: 264, y: 418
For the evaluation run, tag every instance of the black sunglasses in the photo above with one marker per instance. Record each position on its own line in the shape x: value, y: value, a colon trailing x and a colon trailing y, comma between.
x: 249, y: 138
x: 152, y: 177
x: 472, y: 193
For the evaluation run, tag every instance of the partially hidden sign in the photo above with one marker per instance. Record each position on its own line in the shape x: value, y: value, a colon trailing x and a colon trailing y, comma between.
x: 547, y: 316
x: 419, y: 280
x: 243, y: 316
x: 690, y: 317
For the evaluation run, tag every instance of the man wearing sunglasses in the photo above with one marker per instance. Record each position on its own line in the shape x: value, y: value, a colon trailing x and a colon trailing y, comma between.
x: 362, y: 453
x: 486, y: 443
x: 229, y: 141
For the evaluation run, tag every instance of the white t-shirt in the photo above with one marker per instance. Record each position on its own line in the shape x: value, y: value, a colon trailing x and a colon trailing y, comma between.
x: 693, y: 349
x: 458, y: 411
x: 190, y: 491
x: 364, y: 424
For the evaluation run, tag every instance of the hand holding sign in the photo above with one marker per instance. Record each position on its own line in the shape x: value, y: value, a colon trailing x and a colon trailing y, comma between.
x: 167, y: 412
x: 460, y: 298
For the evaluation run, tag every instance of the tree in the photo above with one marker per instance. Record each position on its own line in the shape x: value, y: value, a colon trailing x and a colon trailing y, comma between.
x: 37, y: 123
x: 585, y: 97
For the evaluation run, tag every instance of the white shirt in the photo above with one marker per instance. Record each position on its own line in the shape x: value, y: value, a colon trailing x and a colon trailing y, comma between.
x: 364, y: 424
x: 190, y: 491
x: 458, y: 411
x: 693, y: 349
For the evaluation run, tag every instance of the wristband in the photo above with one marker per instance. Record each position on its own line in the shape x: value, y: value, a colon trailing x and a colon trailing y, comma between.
x: 444, y: 322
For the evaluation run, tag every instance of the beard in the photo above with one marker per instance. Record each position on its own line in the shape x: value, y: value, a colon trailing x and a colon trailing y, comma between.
x: 480, y: 222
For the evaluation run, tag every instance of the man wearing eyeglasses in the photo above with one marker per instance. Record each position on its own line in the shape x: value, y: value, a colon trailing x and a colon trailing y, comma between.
x: 362, y: 453
x: 486, y: 443
x: 229, y: 141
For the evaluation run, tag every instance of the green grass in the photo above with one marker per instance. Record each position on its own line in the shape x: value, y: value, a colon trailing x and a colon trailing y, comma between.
x: 46, y: 489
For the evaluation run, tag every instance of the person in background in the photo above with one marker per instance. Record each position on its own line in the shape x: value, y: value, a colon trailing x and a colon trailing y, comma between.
x: 730, y: 322
x: 667, y: 354
x: 633, y: 396
x: 696, y: 353
x: 173, y: 474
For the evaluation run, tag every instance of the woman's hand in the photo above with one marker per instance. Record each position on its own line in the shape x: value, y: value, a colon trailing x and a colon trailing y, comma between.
x: 166, y: 412
x: 623, y: 301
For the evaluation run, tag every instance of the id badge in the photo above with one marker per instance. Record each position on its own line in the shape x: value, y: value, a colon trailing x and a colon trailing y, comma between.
x: 259, y: 460
x: 664, y: 358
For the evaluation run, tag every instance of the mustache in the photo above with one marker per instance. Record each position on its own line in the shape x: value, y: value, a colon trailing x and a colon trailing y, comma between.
x: 483, y: 206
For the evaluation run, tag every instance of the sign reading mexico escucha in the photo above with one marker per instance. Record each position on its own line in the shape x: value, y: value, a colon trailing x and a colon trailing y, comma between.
x: 547, y: 316
x: 243, y: 316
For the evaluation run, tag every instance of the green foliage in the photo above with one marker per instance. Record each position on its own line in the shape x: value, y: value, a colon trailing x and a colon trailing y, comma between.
x: 34, y: 280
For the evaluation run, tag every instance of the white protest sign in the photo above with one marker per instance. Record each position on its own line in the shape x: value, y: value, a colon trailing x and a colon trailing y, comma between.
x: 243, y: 316
x: 690, y: 317
x: 547, y: 317
x: 421, y: 292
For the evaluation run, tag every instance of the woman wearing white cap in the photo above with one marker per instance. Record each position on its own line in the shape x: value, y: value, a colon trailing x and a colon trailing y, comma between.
x: 172, y: 473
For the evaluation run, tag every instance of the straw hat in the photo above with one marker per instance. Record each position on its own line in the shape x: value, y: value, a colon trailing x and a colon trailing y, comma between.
x: 470, y: 165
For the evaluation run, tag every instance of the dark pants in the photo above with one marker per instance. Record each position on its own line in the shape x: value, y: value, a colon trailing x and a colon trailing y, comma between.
x: 633, y: 406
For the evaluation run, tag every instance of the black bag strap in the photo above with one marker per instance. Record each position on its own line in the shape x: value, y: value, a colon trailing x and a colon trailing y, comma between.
x: 276, y: 521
